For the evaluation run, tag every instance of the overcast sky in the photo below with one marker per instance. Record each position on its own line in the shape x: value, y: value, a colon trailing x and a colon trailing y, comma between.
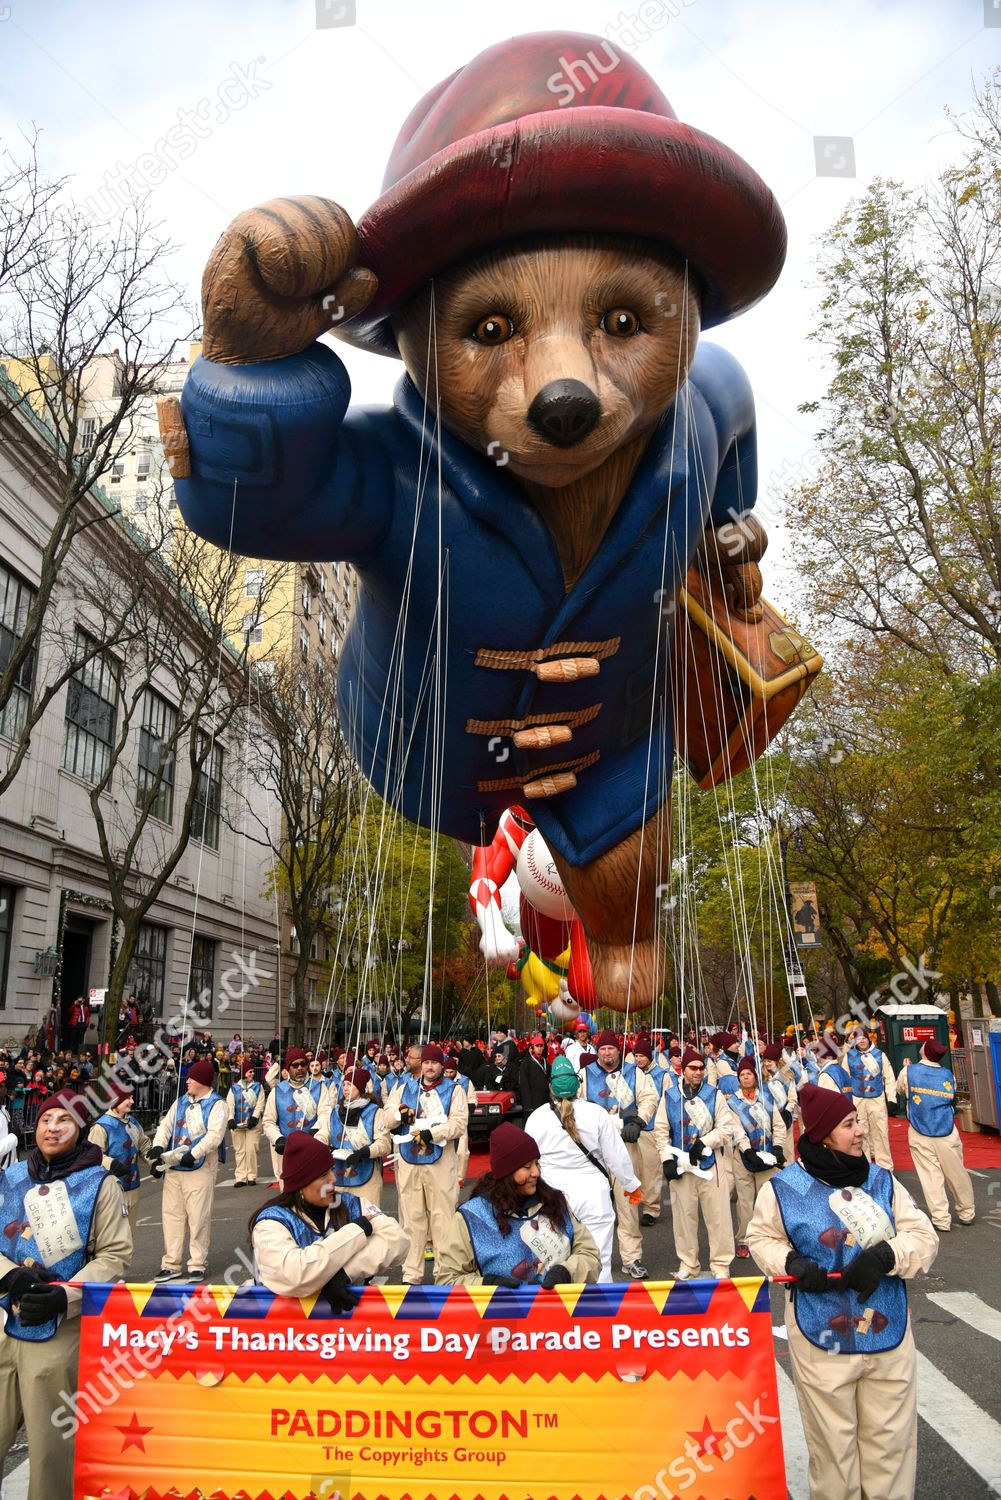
x: 105, y: 81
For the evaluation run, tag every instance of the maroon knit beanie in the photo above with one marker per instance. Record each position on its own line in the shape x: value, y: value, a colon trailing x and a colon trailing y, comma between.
x: 511, y: 1148
x: 305, y: 1160
x: 821, y: 1110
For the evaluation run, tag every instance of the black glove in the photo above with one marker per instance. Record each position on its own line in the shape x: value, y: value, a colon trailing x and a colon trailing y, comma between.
x: 340, y: 1298
x: 357, y: 1157
x: 892, y: 1107
x: 157, y: 1170
x: 42, y: 1303
x: 752, y: 1161
x: 17, y: 1282
x: 671, y: 1169
x: 508, y: 1281
x: 863, y: 1274
x: 786, y: 1116
x: 407, y: 1118
x: 364, y: 1224
x: 809, y: 1276
x: 188, y: 1160
x: 695, y: 1151
x: 779, y: 1155
x: 426, y: 1138
x: 557, y: 1276
x: 154, y: 1153
x: 119, y: 1169
x: 631, y: 1131
x: 280, y: 1146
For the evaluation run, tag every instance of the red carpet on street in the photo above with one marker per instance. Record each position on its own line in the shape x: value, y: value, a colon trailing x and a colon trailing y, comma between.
x: 980, y: 1149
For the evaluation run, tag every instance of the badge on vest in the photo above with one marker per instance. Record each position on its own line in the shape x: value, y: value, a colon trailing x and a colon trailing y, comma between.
x: 699, y: 1115
x: 623, y: 1093
x: 53, y: 1222
x: 869, y: 1064
x: 867, y: 1224
x: 194, y: 1125
x: 305, y: 1103
x: 549, y: 1247
x: 429, y: 1106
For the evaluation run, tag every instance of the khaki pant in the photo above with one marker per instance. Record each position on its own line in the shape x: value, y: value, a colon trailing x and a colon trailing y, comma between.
x: 427, y: 1198
x: 187, y: 1204
x: 276, y: 1164
x: 246, y: 1145
x: 651, y: 1174
x: 725, y: 1156
x: 860, y: 1419
x: 627, y: 1215
x: 872, y: 1117
x: 689, y: 1194
x: 132, y: 1205
x: 31, y: 1379
x: 463, y: 1159
x: 747, y: 1186
x: 938, y: 1161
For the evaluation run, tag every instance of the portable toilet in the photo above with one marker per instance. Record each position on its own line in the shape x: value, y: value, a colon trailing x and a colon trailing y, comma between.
x: 904, y: 1029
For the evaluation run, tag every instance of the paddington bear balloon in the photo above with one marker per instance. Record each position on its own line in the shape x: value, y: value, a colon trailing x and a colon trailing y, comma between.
x: 542, y: 258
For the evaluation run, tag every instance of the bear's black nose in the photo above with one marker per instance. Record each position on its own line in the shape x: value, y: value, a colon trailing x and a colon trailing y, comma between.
x: 564, y: 412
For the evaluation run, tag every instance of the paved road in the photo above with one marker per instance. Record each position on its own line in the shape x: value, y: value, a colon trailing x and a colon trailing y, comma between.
x: 956, y: 1317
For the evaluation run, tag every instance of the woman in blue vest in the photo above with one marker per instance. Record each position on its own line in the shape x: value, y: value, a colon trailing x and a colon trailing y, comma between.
x: 123, y: 1142
x: 65, y: 1221
x: 310, y: 1239
x: 850, y: 1234
x: 358, y: 1128
x: 515, y: 1230
x: 830, y: 1072
x: 761, y: 1120
x: 245, y: 1102
x: 930, y: 1091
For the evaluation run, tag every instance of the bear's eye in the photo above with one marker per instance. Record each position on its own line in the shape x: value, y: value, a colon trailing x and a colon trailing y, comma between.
x: 496, y: 329
x: 621, y: 323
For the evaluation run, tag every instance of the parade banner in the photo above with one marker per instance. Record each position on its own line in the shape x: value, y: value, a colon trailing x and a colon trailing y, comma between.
x: 647, y: 1390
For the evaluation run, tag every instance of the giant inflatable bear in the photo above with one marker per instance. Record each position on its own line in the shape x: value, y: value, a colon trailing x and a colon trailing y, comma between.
x: 559, y: 450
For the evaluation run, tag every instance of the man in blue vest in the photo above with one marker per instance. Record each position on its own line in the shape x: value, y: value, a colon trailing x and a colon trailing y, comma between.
x: 649, y: 1172
x: 297, y: 1103
x: 762, y: 1122
x: 429, y: 1116
x: 850, y: 1234
x: 73, y: 1226
x: 693, y: 1123
x: 626, y: 1093
x: 873, y: 1084
x: 935, y: 1145
x: 831, y: 1074
x: 245, y: 1103
x: 185, y: 1154
x: 123, y: 1142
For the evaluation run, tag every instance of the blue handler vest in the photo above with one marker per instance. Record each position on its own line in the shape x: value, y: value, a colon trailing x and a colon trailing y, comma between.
x: 351, y: 1134
x: 728, y: 1084
x: 182, y: 1136
x: 811, y: 1068
x: 657, y: 1074
x: 683, y: 1132
x: 122, y: 1146
x: 931, y: 1095
x: 245, y: 1097
x: 412, y: 1099
x: 837, y: 1321
x: 840, y: 1075
x: 290, y: 1117
x: 759, y: 1135
x: 304, y: 1233
x: 596, y: 1080
x: 866, y: 1085
x: 52, y: 1221
x: 532, y: 1248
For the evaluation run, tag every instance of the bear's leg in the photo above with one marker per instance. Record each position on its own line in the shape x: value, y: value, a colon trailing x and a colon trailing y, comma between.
x: 615, y: 897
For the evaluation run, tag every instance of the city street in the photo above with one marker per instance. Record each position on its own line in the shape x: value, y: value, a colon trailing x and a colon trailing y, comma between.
x: 956, y: 1313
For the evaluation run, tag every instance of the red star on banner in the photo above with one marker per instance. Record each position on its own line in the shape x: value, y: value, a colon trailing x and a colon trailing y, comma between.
x: 134, y: 1434
x: 707, y: 1438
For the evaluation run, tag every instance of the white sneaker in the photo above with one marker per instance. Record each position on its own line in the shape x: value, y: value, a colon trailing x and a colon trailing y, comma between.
x: 637, y: 1271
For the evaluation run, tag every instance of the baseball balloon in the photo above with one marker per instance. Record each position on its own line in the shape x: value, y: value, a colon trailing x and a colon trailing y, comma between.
x: 540, y: 880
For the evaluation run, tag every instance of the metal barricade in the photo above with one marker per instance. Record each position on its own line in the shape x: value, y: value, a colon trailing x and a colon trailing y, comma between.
x: 957, y: 1061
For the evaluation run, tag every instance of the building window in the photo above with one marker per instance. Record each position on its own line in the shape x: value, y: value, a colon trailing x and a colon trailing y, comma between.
x: 307, y: 600
x: 88, y: 427
x: 91, y: 712
x: 202, y: 982
x: 144, y: 466
x: 150, y: 967
x: 253, y: 582
x: 303, y: 645
x: 118, y: 471
x: 321, y: 625
x: 156, y: 755
x: 6, y: 938
x: 208, y: 798
x: 16, y: 598
x: 253, y: 630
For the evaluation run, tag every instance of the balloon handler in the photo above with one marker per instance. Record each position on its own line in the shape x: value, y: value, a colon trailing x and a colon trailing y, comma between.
x: 558, y: 456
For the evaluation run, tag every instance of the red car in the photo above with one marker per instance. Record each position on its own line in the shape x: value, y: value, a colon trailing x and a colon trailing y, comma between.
x: 491, y: 1107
